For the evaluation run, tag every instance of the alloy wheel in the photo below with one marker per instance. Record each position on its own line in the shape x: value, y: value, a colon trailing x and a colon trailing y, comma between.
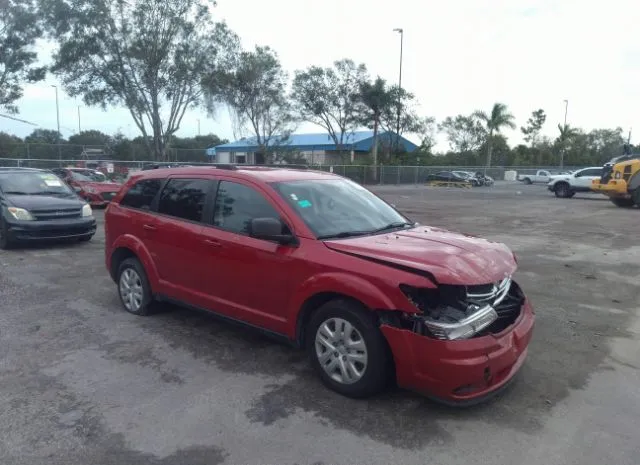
x: 130, y: 286
x: 341, y: 351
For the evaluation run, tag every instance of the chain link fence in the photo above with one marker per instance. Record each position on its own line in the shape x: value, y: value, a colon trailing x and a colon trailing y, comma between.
x: 363, y: 174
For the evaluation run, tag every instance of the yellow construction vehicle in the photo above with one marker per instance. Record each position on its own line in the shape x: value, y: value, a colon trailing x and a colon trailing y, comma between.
x: 620, y: 180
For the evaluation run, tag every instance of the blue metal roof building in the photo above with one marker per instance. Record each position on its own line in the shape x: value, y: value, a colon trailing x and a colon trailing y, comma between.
x: 359, y: 141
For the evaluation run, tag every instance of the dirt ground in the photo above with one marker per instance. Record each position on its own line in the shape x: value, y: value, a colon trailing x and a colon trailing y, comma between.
x: 83, y: 382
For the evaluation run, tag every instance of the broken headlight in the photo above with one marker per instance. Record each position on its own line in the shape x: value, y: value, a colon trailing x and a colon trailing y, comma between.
x: 446, y: 313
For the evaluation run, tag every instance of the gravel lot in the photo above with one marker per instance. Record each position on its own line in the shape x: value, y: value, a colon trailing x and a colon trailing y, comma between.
x: 82, y: 382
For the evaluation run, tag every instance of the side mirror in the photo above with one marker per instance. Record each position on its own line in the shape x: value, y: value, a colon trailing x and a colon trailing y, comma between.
x: 77, y: 189
x: 577, y: 175
x: 270, y: 229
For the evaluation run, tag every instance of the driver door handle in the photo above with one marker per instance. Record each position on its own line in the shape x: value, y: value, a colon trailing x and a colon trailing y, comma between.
x: 212, y: 243
x: 149, y: 227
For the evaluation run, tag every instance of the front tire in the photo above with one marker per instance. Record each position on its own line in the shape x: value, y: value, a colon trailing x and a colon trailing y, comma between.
x: 5, y: 241
x: 635, y: 196
x: 347, y: 349
x: 563, y: 190
x: 133, y: 288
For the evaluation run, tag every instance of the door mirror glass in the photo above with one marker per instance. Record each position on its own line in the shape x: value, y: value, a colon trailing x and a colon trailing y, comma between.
x: 270, y: 229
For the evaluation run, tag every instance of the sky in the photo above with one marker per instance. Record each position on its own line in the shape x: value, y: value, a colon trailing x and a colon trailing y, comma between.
x: 459, y: 56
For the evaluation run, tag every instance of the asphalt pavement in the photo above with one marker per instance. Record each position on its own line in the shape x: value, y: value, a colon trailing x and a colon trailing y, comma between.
x: 83, y: 382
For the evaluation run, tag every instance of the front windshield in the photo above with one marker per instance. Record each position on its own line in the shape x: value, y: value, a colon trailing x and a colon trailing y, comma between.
x: 88, y: 176
x: 339, y: 208
x: 33, y: 183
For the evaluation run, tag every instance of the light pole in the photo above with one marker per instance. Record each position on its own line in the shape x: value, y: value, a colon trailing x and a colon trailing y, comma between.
x: 79, y: 130
x: 198, y: 126
x: 58, y: 120
x: 564, y: 136
x: 401, y: 32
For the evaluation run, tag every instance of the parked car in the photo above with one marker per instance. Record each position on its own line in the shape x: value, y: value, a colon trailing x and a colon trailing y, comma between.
x: 468, y: 176
x: 446, y: 176
x: 91, y: 185
x: 320, y: 262
x: 539, y: 177
x: 36, y: 205
x: 566, y: 185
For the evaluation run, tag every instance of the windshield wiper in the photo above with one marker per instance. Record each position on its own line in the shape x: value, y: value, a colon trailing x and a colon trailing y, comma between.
x: 397, y: 224
x: 340, y: 235
x: 51, y: 193
x: 16, y: 193
x: 344, y: 234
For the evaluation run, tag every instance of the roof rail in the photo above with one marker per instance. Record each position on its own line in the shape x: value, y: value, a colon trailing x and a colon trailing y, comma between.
x: 236, y: 166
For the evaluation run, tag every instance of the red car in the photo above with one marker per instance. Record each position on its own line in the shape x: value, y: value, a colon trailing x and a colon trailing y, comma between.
x: 322, y: 263
x: 93, y: 186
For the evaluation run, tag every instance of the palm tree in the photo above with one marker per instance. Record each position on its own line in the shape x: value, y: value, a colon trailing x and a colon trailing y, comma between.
x: 566, y: 133
x: 498, y: 119
x: 375, y: 97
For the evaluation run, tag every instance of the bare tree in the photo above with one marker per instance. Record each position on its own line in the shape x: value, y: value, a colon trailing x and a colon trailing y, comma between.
x: 148, y: 55
x: 328, y: 97
x: 255, y: 91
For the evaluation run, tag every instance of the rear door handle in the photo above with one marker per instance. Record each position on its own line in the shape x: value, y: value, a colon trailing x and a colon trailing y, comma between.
x: 212, y: 243
x: 149, y: 227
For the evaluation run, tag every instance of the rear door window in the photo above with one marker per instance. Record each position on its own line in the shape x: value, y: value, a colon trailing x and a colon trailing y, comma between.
x: 142, y: 194
x: 185, y: 198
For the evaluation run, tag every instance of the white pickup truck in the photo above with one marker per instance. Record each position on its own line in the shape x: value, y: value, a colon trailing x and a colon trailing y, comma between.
x: 541, y: 176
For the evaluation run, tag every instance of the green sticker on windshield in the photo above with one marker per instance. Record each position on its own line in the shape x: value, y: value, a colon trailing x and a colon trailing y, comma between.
x: 304, y: 203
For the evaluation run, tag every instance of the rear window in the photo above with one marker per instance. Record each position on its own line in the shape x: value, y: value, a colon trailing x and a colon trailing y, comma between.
x: 184, y: 198
x: 141, y: 194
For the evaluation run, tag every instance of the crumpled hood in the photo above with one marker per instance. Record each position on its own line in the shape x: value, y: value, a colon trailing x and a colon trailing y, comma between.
x: 451, y: 258
x: 100, y: 186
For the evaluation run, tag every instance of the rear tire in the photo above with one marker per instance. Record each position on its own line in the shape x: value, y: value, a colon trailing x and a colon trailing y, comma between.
x: 133, y: 288
x: 622, y: 203
x: 527, y: 181
x: 635, y: 196
x: 347, y: 349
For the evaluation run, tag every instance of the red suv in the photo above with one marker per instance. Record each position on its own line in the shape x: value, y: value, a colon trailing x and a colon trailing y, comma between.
x: 321, y: 262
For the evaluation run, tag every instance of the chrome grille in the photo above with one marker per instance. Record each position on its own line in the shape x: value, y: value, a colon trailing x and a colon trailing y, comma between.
x: 57, y: 214
x: 489, y: 294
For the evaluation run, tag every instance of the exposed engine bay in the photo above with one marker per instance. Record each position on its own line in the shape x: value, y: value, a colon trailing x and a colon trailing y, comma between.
x: 460, y: 312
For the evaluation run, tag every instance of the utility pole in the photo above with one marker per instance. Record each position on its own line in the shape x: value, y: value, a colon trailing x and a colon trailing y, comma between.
x: 401, y: 32
x: 566, y: 107
x: 79, y: 130
x: 58, y: 119
x: 198, y: 126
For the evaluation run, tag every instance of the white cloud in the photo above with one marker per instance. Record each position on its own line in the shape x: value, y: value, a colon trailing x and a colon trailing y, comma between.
x: 459, y: 55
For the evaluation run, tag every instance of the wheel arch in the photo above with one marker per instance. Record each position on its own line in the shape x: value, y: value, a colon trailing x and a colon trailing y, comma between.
x: 130, y: 247
x: 312, y: 304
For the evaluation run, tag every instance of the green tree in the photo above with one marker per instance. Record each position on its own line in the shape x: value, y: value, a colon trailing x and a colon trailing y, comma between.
x: 255, y: 92
x: 20, y: 27
x: 410, y: 121
x: 534, y: 125
x: 328, y: 97
x: 44, y: 136
x: 91, y: 137
x: 148, y: 55
x: 465, y: 134
x: 567, y: 133
x: 375, y: 98
x: 494, y: 122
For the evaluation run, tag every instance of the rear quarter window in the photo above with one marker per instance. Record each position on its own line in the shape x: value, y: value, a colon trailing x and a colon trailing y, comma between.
x: 142, y: 194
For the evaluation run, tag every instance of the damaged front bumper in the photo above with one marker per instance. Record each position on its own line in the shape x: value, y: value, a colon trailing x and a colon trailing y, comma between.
x: 464, y: 371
